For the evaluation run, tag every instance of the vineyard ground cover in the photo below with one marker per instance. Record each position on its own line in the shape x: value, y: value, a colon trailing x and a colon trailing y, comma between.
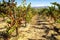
x: 25, y: 33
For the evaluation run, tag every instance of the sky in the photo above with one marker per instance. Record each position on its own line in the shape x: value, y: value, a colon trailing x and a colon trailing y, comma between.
x: 37, y: 3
